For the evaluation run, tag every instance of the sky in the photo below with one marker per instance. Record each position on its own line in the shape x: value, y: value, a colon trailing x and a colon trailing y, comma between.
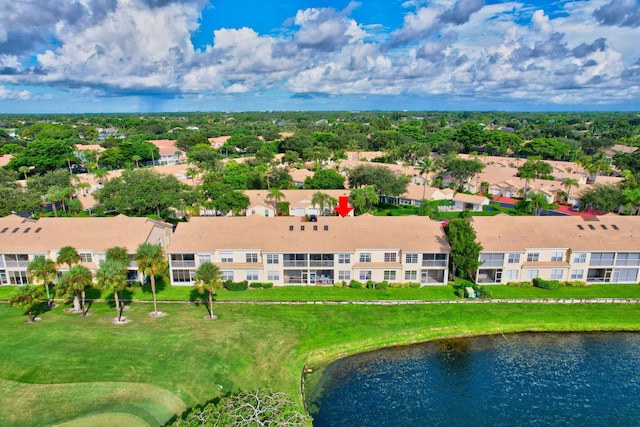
x: 99, y: 56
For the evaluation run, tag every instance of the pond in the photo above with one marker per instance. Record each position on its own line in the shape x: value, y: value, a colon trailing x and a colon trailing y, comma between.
x: 529, y: 379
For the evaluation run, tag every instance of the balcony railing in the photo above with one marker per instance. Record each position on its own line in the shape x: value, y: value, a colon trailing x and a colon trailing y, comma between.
x: 183, y: 264
x: 17, y: 263
x: 435, y: 263
x: 318, y: 263
x: 292, y: 263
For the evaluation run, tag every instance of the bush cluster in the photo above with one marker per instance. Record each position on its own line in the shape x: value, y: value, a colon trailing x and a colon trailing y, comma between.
x: 404, y: 285
x: 261, y: 285
x: 546, y: 284
x: 236, y: 286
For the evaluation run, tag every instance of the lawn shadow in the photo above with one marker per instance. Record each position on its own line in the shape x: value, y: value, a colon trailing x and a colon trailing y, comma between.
x: 161, y: 285
x: 200, y: 299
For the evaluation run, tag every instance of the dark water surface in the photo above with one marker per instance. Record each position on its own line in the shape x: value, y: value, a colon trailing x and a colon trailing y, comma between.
x: 542, y: 379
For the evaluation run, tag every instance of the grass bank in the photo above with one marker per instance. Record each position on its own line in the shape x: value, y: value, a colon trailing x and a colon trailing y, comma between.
x: 66, y: 368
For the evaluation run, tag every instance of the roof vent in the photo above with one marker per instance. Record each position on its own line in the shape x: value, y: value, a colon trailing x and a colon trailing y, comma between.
x: 4, y: 230
x: 302, y: 228
x: 591, y: 226
x: 315, y: 228
x: 26, y: 230
x: 604, y: 227
x: 615, y: 227
x: 326, y: 228
x: 15, y: 230
x: 291, y: 228
x: 38, y: 230
x: 580, y: 227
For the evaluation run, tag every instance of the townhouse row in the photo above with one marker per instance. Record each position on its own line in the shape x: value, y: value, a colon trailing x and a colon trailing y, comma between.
x: 290, y: 251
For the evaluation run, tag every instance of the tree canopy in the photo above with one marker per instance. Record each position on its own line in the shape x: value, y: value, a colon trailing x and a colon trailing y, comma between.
x: 465, y: 250
x: 383, y: 179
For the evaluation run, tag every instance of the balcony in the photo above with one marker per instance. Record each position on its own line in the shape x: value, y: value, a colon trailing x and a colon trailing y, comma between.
x: 435, y: 263
x: 293, y: 263
x: 183, y: 264
x: 318, y: 263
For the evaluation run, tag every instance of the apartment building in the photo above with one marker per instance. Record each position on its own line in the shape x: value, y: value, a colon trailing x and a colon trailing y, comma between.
x: 603, y: 249
x: 290, y: 251
x: 22, y: 240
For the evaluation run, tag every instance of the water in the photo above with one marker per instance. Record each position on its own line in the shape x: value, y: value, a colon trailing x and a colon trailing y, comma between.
x: 569, y: 379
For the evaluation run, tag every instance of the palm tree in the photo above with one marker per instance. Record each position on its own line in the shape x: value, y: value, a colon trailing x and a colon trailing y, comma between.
x: 632, y: 198
x: 276, y: 196
x: 539, y: 201
x: 527, y: 176
x: 26, y: 298
x: 568, y: 183
x: 320, y: 199
x: 192, y: 173
x: 43, y: 271
x: 208, y: 278
x: 151, y: 261
x: 101, y: 175
x: 136, y: 159
x: 110, y: 277
x: 74, y: 283
x: 68, y: 255
x: 54, y: 195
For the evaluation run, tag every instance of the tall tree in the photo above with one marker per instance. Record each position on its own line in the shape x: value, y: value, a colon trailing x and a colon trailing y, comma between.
x: 43, y: 271
x: 461, y: 170
x: 27, y: 298
x: 568, y: 183
x: 383, y: 179
x: 364, y: 198
x: 465, y: 250
x: 151, y: 261
x: 208, y: 278
x: 602, y: 197
x: 74, y: 283
x: 110, y: 277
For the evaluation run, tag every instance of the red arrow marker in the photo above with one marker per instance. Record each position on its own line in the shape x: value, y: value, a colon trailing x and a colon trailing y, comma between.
x: 343, y: 206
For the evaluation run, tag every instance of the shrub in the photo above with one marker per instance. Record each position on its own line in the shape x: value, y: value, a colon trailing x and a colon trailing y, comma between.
x: 261, y: 285
x: 236, y: 286
x: 546, y: 284
x: 575, y: 284
x: 414, y: 285
x: 354, y: 284
x: 520, y: 284
x: 340, y: 284
x: 398, y: 285
x: 370, y: 284
x: 382, y: 285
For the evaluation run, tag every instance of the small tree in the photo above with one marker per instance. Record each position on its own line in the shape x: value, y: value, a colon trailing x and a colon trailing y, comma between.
x: 465, y: 251
x: 74, y: 283
x: 68, y: 255
x: 208, y: 278
x: 110, y: 278
x: 26, y: 298
x: 151, y: 261
x: 42, y: 271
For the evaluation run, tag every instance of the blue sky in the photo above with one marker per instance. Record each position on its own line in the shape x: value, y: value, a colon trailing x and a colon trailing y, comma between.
x: 65, y: 56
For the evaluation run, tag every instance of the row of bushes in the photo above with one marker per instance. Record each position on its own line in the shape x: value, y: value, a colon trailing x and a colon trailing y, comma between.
x: 244, y: 285
x: 549, y: 284
x: 459, y: 289
x: 354, y: 284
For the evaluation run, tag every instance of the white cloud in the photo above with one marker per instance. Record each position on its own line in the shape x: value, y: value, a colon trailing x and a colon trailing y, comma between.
x: 22, y: 95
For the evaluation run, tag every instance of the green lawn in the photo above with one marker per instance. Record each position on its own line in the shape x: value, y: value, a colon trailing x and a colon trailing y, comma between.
x: 67, y: 368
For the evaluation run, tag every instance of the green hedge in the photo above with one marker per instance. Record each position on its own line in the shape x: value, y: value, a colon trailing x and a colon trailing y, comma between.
x: 546, y: 284
x: 236, y: 286
x: 261, y: 285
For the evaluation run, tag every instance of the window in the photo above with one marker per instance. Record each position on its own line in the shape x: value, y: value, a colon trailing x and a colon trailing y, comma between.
x: 390, y: 257
x: 533, y: 257
x: 344, y: 258
x: 512, y: 275
x: 602, y: 258
x: 252, y: 257
x: 513, y: 259
x: 577, y: 274
x: 182, y: 276
x: 411, y: 275
x: 183, y: 260
x: 434, y: 260
x: 100, y: 258
x: 626, y: 275
x: 532, y: 274
x: 226, y: 274
x: 626, y: 258
x: 579, y: 258
x: 226, y: 256
x: 389, y: 275
x: 344, y: 275
x: 491, y: 260
x: 365, y: 257
x: 18, y: 277
x: 252, y: 274
x: 203, y: 258
x: 365, y: 275
x: 411, y: 258
x: 273, y: 259
x: 556, y: 274
x: 557, y: 256
x: 273, y: 275
x: 85, y: 257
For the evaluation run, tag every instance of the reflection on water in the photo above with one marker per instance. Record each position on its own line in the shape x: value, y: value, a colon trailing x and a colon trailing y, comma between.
x: 559, y: 379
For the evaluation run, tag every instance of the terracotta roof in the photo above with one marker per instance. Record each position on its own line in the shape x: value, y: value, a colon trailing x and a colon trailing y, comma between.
x: 97, y: 234
x: 516, y: 233
x: 207, y: 234
x: 5, y: 159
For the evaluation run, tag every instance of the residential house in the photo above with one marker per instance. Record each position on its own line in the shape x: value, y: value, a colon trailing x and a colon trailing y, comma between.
x: 300, y: 202
x: 22, y: 240
x: 169, y: 153
x: 288, y: 251
x: 470, y: 202
x: 602, y: 249
x: 298, y: 176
